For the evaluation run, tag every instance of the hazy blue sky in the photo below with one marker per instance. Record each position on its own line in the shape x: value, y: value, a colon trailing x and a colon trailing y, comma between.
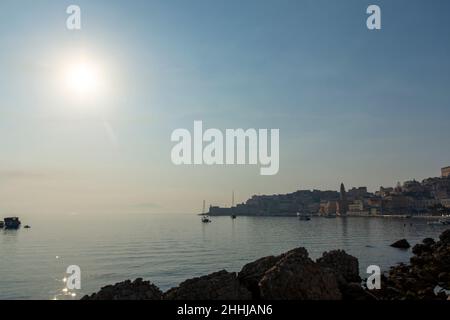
x: 355, y: 106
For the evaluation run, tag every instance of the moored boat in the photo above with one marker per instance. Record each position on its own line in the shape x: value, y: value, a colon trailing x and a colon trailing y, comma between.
x: 12, y: 223
x: 303, y: 217
x: 445, y: 221
x: 205, y: 219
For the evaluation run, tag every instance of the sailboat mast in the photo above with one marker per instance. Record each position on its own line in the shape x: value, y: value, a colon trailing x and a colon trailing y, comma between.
x: 232, y: 203
x: 232, y: 199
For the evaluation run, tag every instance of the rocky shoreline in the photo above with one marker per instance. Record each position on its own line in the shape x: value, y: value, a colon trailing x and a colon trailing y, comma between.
x: 295, y: 276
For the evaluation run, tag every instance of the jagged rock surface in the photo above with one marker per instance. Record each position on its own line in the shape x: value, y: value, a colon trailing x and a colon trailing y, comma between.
x: 296, y: 277
x: 220, y: 285
x: 345, y: 266
x: 127, y: 290
x: 252, y: 273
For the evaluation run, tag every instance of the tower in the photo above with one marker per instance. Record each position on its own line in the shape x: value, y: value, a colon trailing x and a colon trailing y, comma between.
x: 343, y: 202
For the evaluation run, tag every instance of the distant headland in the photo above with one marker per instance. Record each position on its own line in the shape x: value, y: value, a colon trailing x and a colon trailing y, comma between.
x: 431, y: 197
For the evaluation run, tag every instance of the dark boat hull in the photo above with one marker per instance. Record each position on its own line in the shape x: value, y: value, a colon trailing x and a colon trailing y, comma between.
x: 12, y: 223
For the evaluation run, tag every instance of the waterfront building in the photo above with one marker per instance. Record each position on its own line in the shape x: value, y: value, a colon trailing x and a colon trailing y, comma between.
x: 445, y: 172
x: 331, y: 207
x: 397, y: 204
x: 445, y: 203
x: 384, y: 192
x: 411, y: 197
x: 357, y: 193
x: 355, y: 207
x: 425, y: 204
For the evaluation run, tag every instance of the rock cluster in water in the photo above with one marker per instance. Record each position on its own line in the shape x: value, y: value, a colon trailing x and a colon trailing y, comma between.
x: 401, y: 244
x: 295, y: 276
x: 427, y: 275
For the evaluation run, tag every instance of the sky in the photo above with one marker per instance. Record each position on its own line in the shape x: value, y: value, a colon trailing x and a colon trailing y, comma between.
x: 366, y: 108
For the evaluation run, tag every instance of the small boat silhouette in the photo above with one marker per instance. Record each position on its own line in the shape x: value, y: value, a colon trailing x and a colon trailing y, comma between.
x: 303, y: 217
x: 205, y: 219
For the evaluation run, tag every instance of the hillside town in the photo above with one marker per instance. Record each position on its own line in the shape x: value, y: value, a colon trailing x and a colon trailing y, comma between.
x: 412, y: 198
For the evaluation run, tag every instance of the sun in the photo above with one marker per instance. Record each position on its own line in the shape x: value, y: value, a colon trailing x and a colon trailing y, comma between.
x: 83, y: 79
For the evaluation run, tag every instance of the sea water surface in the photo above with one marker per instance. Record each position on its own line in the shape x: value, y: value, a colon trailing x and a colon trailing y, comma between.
x: 170, y: 248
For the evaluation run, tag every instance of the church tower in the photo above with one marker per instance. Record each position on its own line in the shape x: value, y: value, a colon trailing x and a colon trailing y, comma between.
x: 343, y: 202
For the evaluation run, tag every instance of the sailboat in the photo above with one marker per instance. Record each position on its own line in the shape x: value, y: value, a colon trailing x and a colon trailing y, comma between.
x: 233, y: 216
x: 205, y: 217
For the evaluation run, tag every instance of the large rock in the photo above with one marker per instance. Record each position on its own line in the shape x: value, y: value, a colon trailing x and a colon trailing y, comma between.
x: 296, y: 277
x: 424, y: 248
x: 127, y: 290
x: 220, y: 285
x: 401, y: 244
x: 345, y: 266
x: 445, y: 237
x: 428, y: 242
x: 252, y: 273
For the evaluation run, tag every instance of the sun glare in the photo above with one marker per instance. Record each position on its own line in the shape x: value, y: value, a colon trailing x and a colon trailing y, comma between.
x: 83, y: 79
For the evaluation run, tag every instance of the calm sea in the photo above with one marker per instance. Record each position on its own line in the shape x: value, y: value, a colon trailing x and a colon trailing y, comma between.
x: 168, y: 249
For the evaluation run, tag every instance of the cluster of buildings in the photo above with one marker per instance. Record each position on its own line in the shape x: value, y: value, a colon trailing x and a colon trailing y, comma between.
x: 429, y: 197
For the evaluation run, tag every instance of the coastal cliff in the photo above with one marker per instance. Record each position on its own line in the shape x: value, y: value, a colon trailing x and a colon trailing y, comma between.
x: 295, y: 276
